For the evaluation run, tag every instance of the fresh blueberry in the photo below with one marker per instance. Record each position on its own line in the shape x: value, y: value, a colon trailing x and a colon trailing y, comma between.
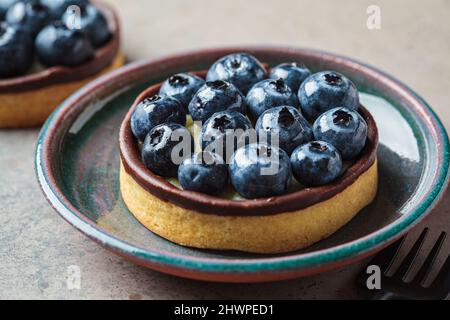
x: 58, y: 7
x: 154, y: 111
x: 182, y: 86
x: 204, y: 172
x: 241, y: 69
x: 343, y: 128
x: 316, y: 163
x: 288, y: 124
x: 292, y: 73
x: 58, y: 45
x: 166, y: 147
x: 215, y: 96
x: 224, y: 132
x: 31, y: 15
x: 268, y: 94
x: 4, y: 6
x: 16, y: 51
x: 258, y: 170
x: 326, y: 90
x: 91, y: 21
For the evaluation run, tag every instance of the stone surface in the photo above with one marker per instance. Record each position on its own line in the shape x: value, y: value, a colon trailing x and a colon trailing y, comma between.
x: 37, y: 247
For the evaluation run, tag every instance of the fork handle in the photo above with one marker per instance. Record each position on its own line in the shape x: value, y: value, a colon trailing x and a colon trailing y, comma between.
x: 386, y: 295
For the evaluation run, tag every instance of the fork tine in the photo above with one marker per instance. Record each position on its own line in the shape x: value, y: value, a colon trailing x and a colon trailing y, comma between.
x: 385, y: 258
x: 429, y: 261
x: 442, y: 281
x: 411, y: 256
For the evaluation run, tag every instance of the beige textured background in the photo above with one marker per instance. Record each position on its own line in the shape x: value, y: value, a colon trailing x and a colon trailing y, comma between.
x: 36, y: 246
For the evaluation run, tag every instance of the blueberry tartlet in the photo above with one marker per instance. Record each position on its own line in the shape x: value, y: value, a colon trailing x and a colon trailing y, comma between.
x: 245, y: 158
x: 50, y: 49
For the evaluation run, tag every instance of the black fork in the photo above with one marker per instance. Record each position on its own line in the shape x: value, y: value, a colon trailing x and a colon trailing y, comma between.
x: 395, y: 287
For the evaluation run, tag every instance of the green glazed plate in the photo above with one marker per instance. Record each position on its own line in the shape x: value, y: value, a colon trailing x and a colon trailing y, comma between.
x: 77, y: 164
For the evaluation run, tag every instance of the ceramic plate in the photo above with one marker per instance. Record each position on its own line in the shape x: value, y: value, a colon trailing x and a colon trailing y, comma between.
x: 77, y: 164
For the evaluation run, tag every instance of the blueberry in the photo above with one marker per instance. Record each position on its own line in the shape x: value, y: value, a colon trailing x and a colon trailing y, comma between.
x: 58, y: 7
x: 326, y: 90
x: 4, y: 6
x: 292, y: 73
x: 154, y: 111
x: 343, y: 128
x: 204, y: 172
x: 286, y: 122
x: 268, y: 94
x: 258, y: 170
x: 16, y: 51
x: 31, y: 15
x: 316, y: 163
x: 91, y: 21
x: 58, y: 45
x: 224, y: 132
x: 241, y: 69
x: 182, y: 86
x: 215, y: 96
x: 166, y: 147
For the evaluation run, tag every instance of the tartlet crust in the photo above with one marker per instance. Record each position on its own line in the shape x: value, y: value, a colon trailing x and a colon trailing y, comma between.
x: 31, y: 108
x: 267, y: 234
